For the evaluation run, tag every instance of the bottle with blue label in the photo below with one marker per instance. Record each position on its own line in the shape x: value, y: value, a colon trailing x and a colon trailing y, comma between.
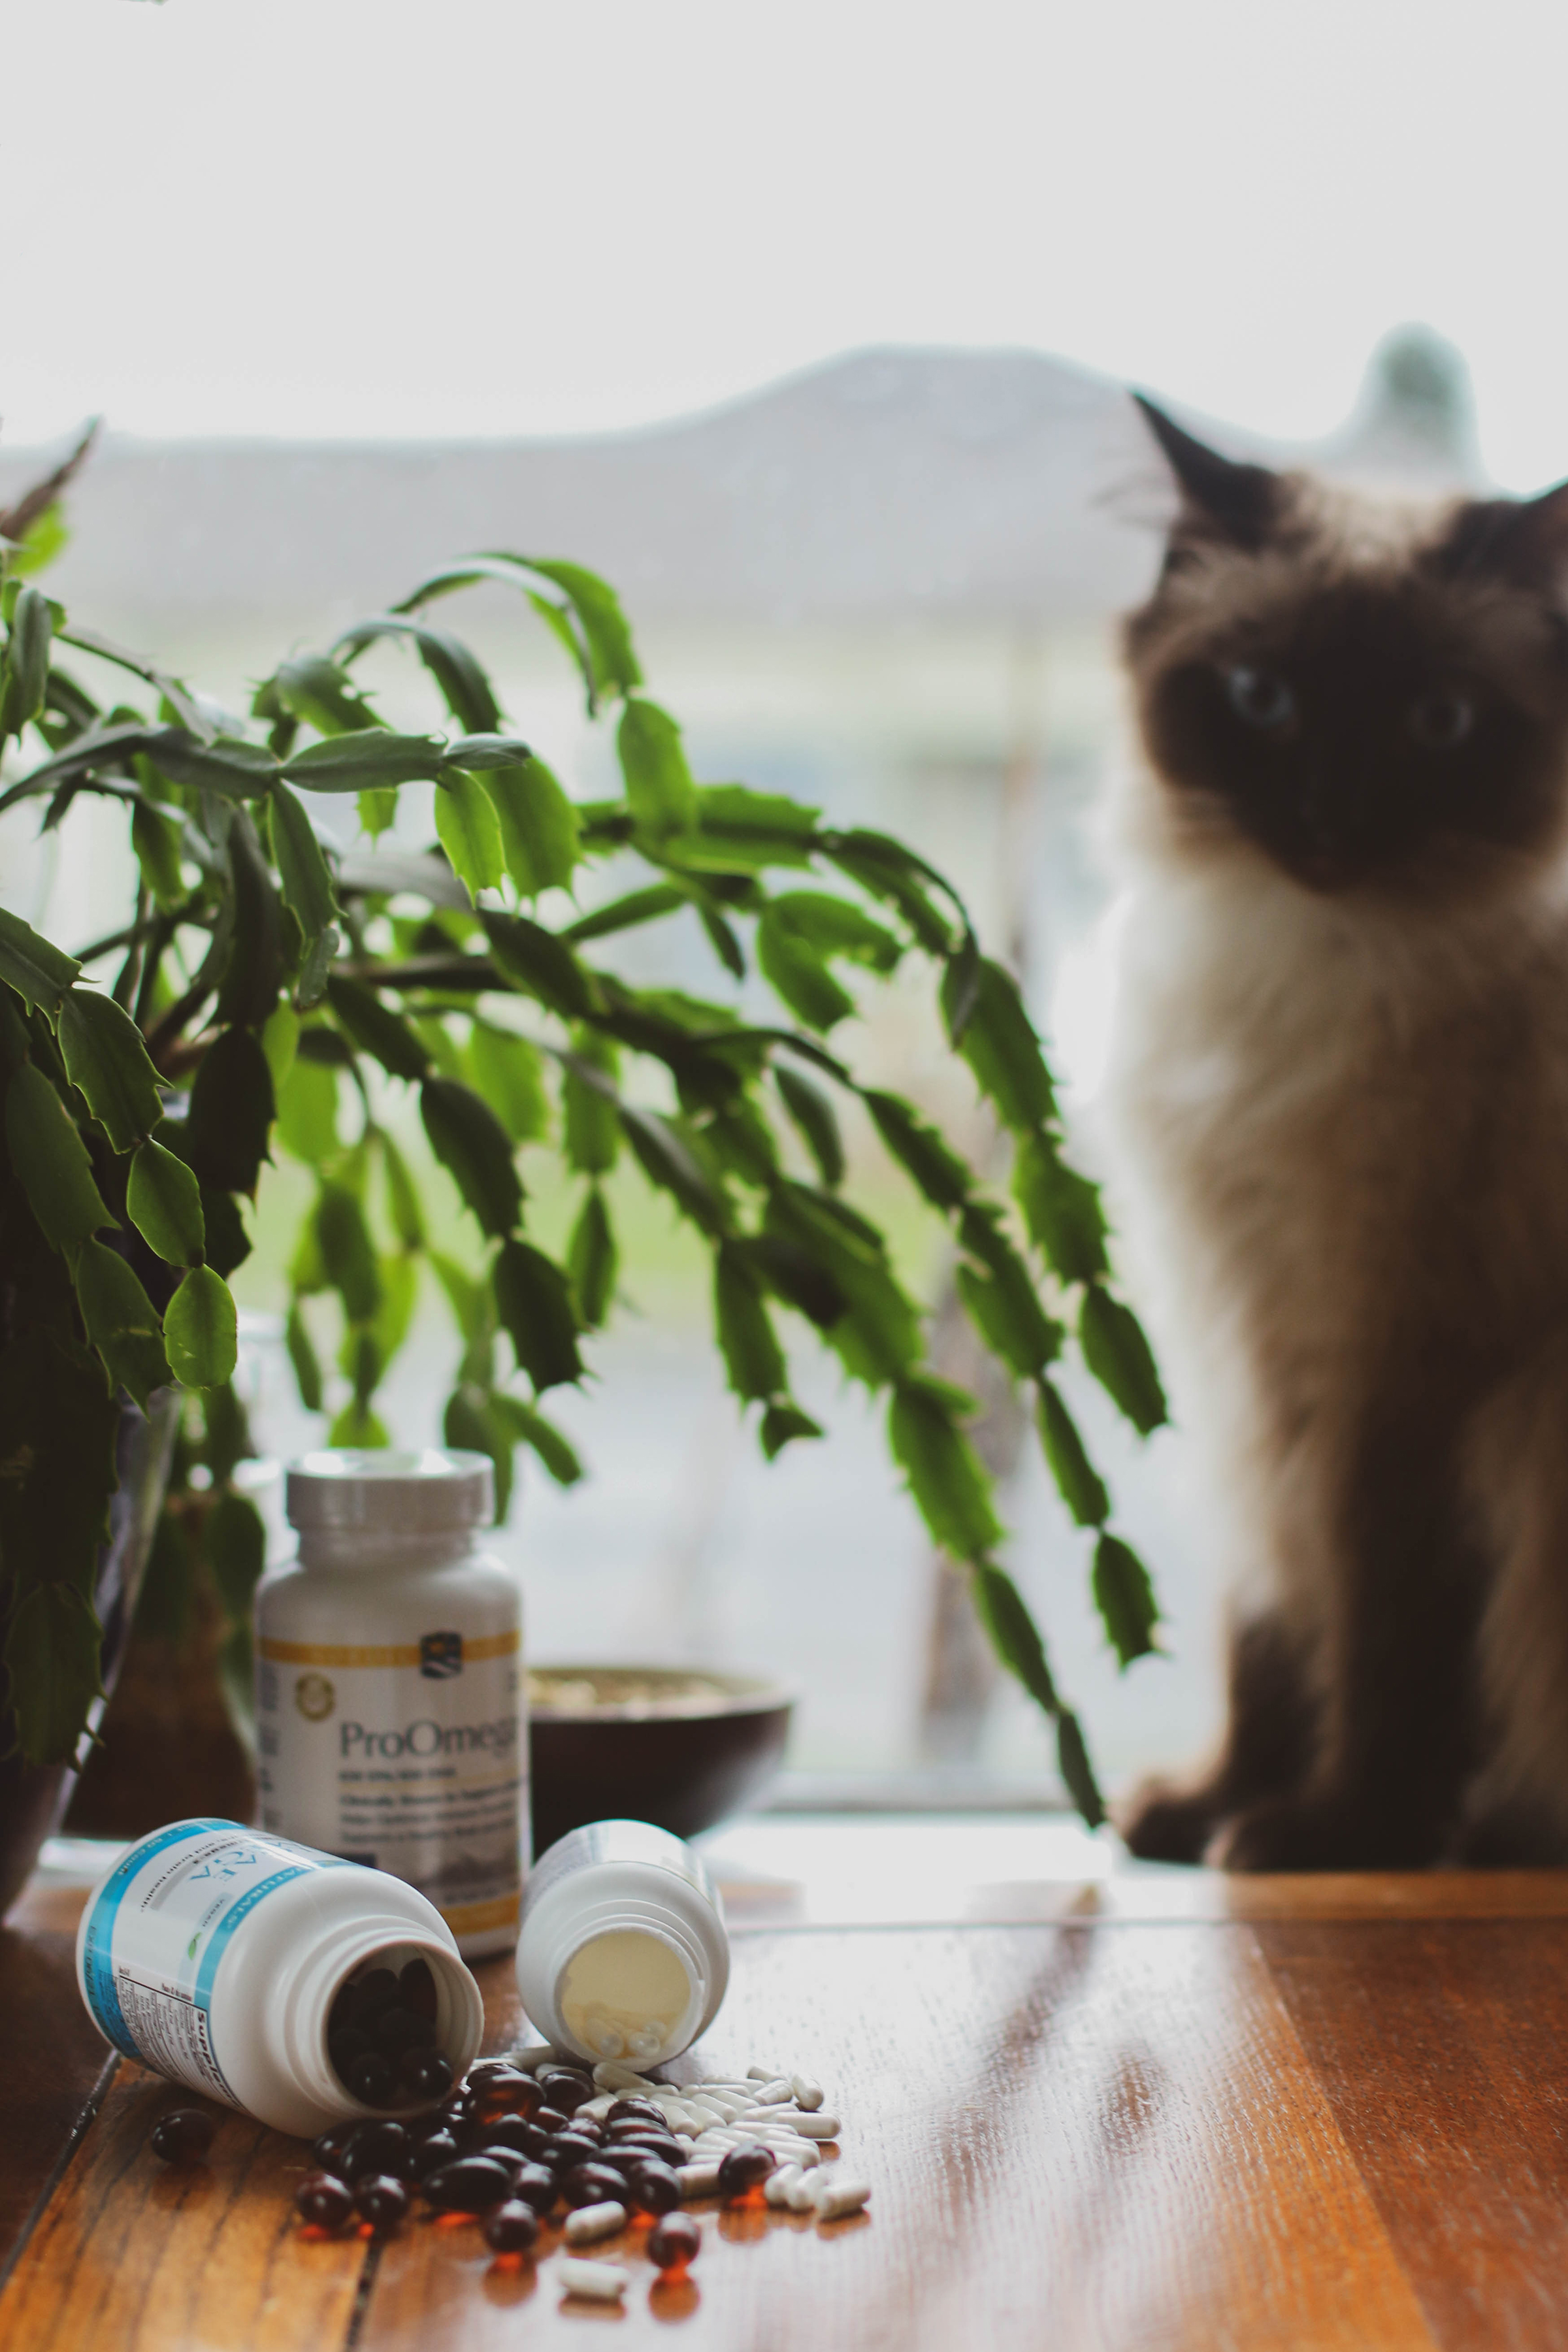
x: 390, y: 1696
x: 214, y: 1955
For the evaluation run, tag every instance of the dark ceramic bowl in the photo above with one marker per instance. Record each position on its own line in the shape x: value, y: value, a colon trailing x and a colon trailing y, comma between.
x: 677, y: 1746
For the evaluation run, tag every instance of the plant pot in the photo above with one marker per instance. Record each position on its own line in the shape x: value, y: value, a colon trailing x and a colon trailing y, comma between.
x: 33, y: 1797
x: 167, y: 1746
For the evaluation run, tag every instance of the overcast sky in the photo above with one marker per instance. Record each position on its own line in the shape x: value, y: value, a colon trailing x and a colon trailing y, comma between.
x: 368, y: 217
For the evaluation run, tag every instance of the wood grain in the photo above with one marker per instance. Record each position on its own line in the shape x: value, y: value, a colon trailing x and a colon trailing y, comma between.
x: 1147, y: 1893
x: 133, y: 2254
x: 53, y: 2063
x: 1440, y: 2050
x: 1334, y: 2122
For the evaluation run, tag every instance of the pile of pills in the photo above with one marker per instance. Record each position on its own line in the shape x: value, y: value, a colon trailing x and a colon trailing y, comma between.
x: 381, y: 2036
x: 521, y: 2137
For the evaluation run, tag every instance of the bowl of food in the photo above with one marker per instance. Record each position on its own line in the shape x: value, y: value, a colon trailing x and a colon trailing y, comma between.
x: 682, y: 1746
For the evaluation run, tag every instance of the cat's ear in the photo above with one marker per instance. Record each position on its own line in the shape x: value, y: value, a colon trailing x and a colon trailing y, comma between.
x: 1220, y: 497
x: 1523, y: 540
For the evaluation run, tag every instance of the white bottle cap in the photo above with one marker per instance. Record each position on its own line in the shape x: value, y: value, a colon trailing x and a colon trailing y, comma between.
x: 351, y: 1488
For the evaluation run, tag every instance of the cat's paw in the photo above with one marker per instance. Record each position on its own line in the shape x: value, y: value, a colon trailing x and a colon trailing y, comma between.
x: 1164, y: 1822
x: 1323, y: 1833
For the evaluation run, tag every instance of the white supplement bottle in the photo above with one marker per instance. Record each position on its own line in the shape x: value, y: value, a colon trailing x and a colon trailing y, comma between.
x: 389, y: 1689
x: 213, y: 1954
x: 623, y: 1953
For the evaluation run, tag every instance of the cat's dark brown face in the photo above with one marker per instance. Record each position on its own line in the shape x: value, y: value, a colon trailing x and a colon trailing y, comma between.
x: 1370, y: 698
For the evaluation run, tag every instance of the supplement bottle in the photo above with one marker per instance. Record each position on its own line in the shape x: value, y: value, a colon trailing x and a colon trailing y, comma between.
x: 214, y: 1954
x: 389, y: 1689
x: 623, y: 1952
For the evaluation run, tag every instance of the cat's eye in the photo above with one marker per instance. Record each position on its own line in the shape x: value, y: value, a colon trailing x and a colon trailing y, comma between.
x: 1259, y: 697
x: 1441, y: 720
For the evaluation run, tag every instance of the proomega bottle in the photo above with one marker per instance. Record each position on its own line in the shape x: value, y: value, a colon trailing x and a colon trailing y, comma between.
x: 390, y: 1697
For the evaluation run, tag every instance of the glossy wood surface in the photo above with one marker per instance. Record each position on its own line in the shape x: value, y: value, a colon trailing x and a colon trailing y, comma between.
x: 1305, y: 2113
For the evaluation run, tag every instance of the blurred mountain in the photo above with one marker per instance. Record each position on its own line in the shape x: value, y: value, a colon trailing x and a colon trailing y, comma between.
x: 886, y: 485
x: 982, y: 485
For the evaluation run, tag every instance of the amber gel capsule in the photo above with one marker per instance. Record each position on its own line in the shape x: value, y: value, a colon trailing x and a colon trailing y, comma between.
x: 181, y: 2137
x: 381, y: 2201
x: 674, y: 2242
x: 325, y: 2202
x: 745, y: 2169
x: 512, y: 2228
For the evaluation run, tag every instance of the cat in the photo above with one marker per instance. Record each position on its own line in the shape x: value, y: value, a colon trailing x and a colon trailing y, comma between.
x: 1340, y: 1085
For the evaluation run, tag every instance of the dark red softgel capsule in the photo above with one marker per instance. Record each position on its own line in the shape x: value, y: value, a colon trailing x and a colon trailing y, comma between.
x: 417, y: 1988
x: 673, y: 2241
x: 473, y: 2185
x: 564, y: 2087
x: 512, y: 2228
x: 381, y: 2200
x: 498, y: 2093
x: 324, y: 2200
x: 652, y: 2187
x: 745, y: 2169
x: 182, y: 2136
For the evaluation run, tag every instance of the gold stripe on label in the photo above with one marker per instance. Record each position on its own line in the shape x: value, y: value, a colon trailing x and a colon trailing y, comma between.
x: 471, y: 1918
x: 385, y: 1654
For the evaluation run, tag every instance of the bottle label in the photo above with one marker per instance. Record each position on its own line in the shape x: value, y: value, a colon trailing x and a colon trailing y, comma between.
x: 408, y: 1756
x: 158, y: 1928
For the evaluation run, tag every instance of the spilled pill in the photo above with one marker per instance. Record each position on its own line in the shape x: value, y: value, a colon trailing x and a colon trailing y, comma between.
x: 591, y: 2222
x: 808, y: 2093
x: 838, y: 2198
x: 777, y: 2186
x: 597, y: 2282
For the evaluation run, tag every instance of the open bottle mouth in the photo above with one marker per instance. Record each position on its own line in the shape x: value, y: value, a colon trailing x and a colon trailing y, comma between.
x: 628, y: 1993
x: 395, y: 2036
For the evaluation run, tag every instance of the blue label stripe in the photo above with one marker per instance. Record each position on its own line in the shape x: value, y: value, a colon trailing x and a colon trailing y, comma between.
x: 98, y: 1947
x: 233, y: 1919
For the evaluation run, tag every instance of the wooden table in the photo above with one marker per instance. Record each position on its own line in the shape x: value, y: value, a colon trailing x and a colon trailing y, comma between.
x: 1157, y: 2110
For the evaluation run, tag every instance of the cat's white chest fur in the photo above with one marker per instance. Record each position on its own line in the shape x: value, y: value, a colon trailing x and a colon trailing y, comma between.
x: 1258, y: 1107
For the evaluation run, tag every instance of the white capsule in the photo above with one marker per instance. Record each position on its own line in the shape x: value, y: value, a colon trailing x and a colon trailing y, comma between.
x: 599, y: 2281
x: 699, y: 2179
x: 610, y: 2074
x: 808, y: 2093
x: 597, y: 2109
x: 761, y: 2074
x: 537, y: 2055
x: 820, y: 2127
x: 777, y: 2186
x: 774, y: 2094
x: 803, y: 2152
x: 591, y: 2222
x: 835, y: 2199
x: 803, y: 2194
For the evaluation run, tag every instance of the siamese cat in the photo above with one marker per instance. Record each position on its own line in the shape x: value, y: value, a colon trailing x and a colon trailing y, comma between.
x: 1340, y: 1088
